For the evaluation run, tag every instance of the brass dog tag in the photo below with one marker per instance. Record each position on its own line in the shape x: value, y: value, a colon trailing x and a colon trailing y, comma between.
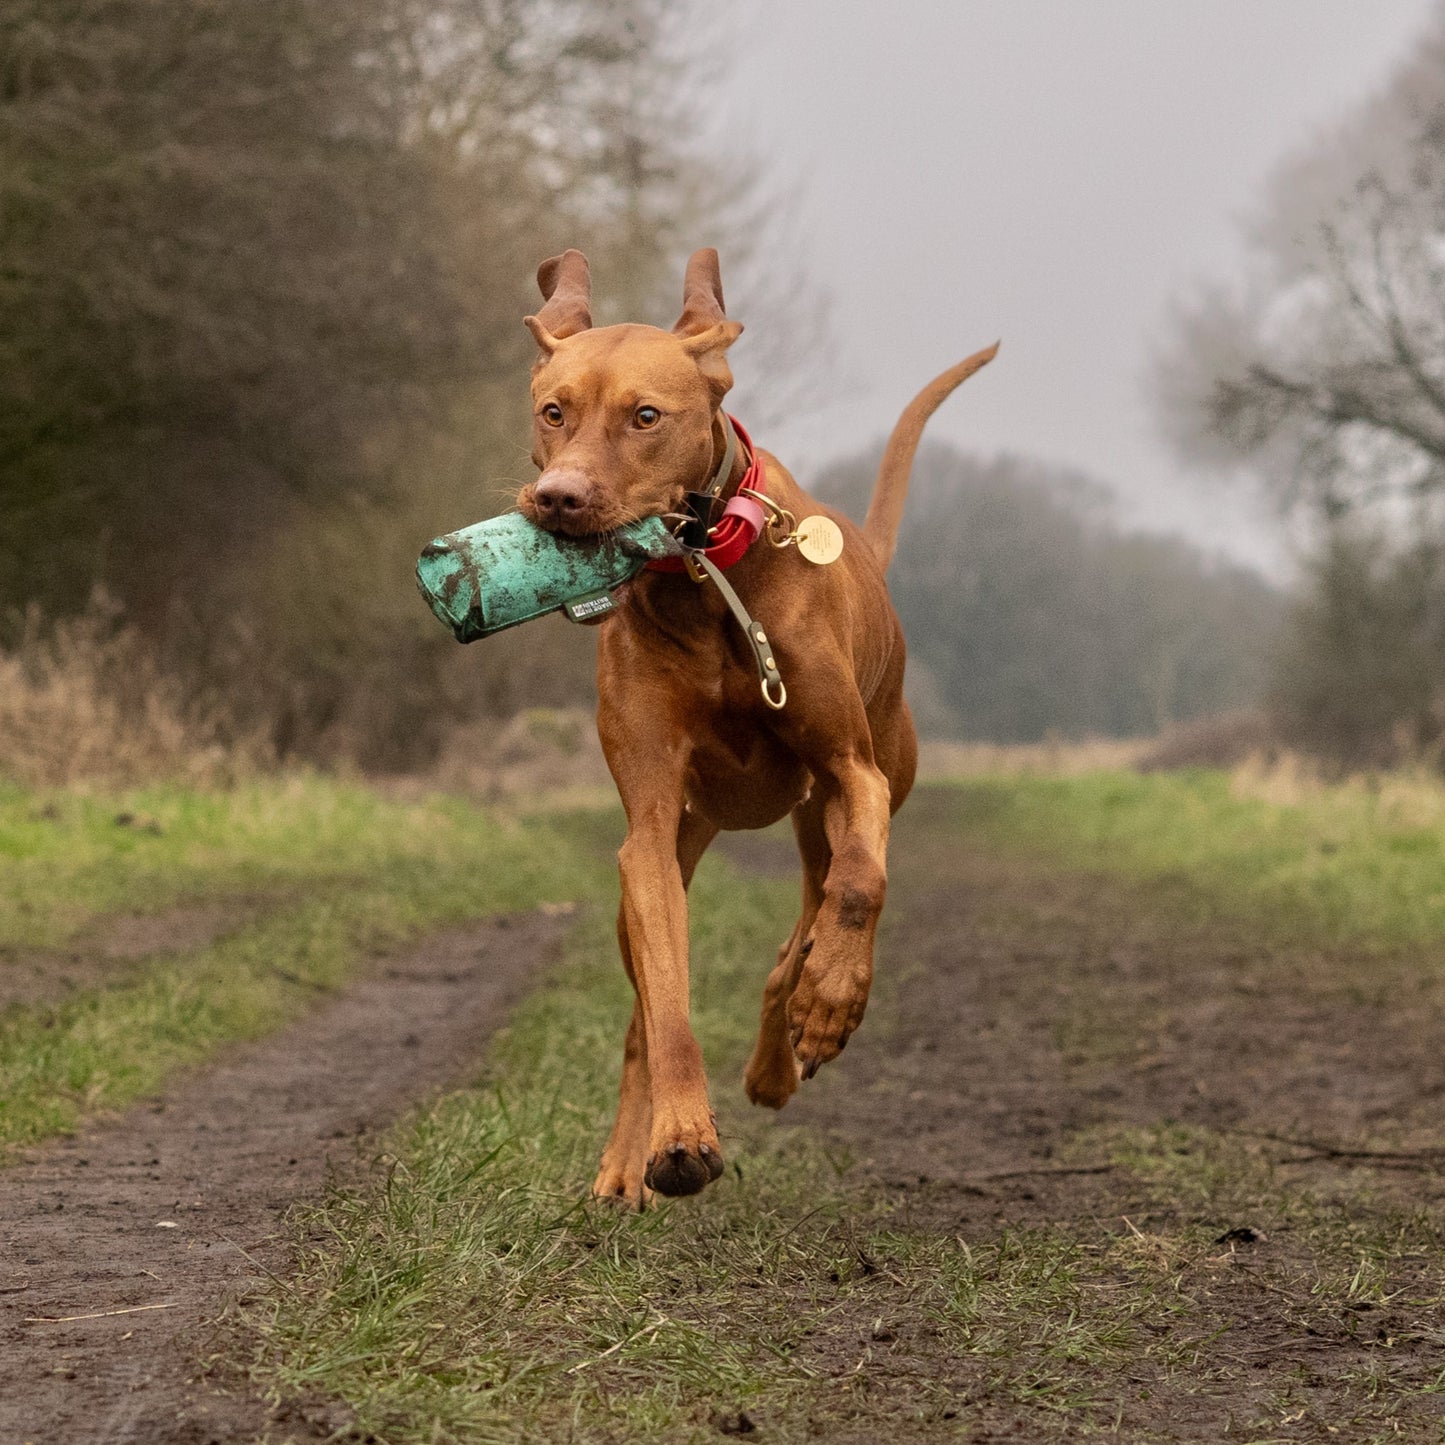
x: 819, y: 539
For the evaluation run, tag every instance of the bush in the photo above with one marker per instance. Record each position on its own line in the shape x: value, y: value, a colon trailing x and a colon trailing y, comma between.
x: 87, y: 698
x: 1223, y: 741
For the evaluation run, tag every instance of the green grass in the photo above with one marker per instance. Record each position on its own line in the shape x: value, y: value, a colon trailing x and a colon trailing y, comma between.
x: 1349, y: 1258
x: 1343, y: 864
x: 340, y: 873
x: 472, y: 1287
x: 465, y: 1289
x: 460, y: 1287
x: 71, y: 857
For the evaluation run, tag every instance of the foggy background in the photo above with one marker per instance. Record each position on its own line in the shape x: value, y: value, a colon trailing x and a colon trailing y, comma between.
x: 264, y: 272
x: 1054, y: 174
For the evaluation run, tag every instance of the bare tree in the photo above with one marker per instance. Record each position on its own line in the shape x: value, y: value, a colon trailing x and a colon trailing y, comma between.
x: 1324, y: 372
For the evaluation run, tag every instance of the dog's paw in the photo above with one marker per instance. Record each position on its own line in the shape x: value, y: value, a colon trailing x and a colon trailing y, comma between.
x: 679, y: 1168
x: 771, y: 1077
x: 621, y: 1186
x: 825, y: 1009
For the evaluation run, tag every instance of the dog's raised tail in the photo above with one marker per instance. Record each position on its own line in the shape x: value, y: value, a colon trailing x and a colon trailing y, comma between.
x: 885, y: 511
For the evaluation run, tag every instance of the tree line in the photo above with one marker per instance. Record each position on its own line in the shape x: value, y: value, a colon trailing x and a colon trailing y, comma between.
x: 262, y: 269
x: 1030, y: 612
x: 262, y: 274
x: 1319, y: 372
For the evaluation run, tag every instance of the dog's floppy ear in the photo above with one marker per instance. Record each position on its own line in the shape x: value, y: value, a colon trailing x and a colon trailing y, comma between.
x: 703, y: 326
x: 566, y: 286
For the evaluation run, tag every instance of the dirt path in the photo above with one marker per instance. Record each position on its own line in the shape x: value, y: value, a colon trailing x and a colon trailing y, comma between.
x: 1030, y: 1010
x: 1026, y: 1019
x: 1028, y: 1006
x: 115, y: 947
x: 177, y: 1203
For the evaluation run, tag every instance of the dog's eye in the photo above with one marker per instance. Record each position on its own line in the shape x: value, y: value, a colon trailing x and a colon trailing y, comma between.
x: 647, y: 416
x: 552, y: 414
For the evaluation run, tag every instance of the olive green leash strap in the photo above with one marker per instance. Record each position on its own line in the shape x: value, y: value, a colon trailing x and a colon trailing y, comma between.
x: 774, y: 693
x: 701, y: 504
x: 730, y: 454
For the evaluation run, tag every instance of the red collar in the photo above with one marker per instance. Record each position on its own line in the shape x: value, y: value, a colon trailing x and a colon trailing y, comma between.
x: 742, y: 520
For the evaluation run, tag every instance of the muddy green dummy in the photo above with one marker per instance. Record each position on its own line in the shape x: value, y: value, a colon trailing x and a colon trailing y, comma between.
x: 505, y: 571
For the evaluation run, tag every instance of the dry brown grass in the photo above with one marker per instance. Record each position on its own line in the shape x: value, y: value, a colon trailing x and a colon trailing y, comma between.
x: 1399, y: 798
x: 1221, y: 740
x: 1051, y: 758
x: 85, y: 699
x: 544, y: 757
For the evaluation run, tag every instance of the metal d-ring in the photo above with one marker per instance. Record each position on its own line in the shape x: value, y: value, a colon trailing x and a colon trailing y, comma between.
x: 778, y: 518
x: 782, y: 701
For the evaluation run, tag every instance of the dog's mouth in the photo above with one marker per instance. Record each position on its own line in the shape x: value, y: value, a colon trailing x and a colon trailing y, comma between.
x: 573, y: 526
x: 594, y: 519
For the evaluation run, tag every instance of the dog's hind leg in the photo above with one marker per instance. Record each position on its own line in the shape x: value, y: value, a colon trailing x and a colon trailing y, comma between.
x: 771, y: 1076
x: 624, y: 1160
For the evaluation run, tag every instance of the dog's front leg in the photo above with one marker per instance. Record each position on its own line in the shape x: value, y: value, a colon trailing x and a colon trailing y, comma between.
x: 644, y: 735
x: 683, y: 1150
x: 624, y: 1160
x: 622, y: 1174
x: 833, y: 984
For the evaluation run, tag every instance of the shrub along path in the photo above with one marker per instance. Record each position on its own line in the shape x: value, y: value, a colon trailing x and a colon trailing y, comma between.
x: 121, y: 1246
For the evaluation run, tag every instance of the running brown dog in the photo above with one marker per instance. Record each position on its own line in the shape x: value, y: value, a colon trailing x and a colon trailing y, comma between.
x: 627, y: 420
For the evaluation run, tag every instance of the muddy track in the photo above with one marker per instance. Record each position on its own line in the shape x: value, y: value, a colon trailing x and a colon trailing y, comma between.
x: 113, y: 949
x: 1026, y: 1008
x: 149, y: 1225
x: 1019, y: 1008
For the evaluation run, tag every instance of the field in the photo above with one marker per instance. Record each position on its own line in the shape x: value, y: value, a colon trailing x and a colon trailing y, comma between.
x: 1140, y: 1139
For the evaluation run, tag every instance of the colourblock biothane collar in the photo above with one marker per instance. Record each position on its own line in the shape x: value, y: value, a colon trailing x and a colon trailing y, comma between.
x: 742, y: 520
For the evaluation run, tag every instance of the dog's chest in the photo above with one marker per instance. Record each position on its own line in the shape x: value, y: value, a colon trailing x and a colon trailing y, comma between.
x: 741, y: 777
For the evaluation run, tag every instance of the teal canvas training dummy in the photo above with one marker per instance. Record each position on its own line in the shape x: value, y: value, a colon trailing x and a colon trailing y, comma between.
x: 496, y: 574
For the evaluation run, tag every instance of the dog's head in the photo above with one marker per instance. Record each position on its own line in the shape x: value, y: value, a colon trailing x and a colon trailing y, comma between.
x: 622, y: 416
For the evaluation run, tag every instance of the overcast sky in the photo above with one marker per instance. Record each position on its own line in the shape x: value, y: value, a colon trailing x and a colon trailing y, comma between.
x: 1051, y: 172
